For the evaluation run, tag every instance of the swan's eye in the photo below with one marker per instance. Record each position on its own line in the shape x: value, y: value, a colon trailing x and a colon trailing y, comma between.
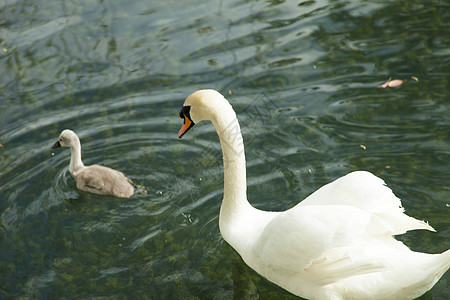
x: 185, y: 111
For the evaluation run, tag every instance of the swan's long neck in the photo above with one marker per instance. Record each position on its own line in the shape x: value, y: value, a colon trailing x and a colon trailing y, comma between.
x: 75, y: 160
x: 235, y: 182
x: 235, y: 211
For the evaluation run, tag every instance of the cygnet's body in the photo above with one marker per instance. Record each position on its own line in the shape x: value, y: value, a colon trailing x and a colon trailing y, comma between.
x: 94, y: 179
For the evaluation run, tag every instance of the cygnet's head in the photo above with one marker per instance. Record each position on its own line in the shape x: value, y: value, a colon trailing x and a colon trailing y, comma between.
x: 199, y: 106
x: 67, y: 138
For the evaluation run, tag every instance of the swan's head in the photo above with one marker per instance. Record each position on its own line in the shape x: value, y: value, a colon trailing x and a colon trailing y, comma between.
x: 199, y: 106
x: 67, y: 138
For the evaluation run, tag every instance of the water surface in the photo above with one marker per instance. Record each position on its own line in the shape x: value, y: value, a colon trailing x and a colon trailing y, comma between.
x: 302, y: 76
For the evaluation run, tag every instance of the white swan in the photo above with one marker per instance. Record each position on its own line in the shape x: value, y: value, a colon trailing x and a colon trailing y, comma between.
x: 336, y: 244
x: 95, y: 179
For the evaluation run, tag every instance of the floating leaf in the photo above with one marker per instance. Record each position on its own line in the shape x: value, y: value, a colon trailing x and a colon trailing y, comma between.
x: 391, y: 83
x: 384, y: 85
x: 395, y: 83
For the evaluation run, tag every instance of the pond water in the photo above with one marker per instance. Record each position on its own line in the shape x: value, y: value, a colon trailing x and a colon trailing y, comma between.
x: 302, y: 76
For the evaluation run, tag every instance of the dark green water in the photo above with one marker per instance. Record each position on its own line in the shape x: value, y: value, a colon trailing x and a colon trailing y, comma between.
x: 302, y: 76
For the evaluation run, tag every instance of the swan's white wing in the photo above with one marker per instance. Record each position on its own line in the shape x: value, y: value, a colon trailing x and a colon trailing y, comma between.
x: 368, y: 192
x: 360, y: 188
x: 341, y: 231
x: 341, y: 263
x: 319, y: 240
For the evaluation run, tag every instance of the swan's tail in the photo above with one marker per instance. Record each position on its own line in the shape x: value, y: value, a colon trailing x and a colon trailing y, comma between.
x: 446, y: 260
x: 443, y: 264
x: 436, y: 268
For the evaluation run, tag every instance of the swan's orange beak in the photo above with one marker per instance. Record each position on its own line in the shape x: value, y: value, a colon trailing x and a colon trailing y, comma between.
x: 187, y: 124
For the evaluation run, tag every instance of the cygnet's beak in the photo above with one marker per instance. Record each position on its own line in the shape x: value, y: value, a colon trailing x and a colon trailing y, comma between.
x: 56, y: 145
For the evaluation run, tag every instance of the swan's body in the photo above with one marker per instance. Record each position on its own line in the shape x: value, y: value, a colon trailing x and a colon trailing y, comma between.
x: 94, y: 179
x: 336, y: 244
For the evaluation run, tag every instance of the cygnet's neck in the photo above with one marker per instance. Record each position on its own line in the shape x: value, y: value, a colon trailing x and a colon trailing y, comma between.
x: 76, y: 164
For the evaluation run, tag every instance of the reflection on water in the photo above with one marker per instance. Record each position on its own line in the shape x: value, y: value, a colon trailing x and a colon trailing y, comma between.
x: 302, y: 76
